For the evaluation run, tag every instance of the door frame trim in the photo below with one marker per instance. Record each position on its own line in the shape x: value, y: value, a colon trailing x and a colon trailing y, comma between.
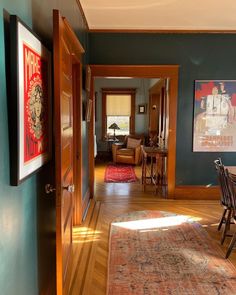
x: 62, y: 29
x: 140, y: 71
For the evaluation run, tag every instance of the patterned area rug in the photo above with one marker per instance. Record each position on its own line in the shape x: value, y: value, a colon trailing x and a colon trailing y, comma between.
x: 120, y: 173
x: 159, y: 253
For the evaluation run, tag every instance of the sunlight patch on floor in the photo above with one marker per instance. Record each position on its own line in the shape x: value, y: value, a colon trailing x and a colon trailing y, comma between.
x: 85, y: 235
x: 153, y: 223
x: 208, y: 225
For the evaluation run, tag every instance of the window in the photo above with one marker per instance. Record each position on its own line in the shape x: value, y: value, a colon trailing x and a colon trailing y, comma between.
x: 119, y: 108
x: 121, y: 121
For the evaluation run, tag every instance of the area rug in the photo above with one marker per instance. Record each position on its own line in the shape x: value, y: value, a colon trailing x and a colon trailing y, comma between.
x: 160, y: 253
x: 120, y: 173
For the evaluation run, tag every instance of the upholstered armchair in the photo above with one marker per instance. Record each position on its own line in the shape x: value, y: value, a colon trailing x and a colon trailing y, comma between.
x: 128, y: 152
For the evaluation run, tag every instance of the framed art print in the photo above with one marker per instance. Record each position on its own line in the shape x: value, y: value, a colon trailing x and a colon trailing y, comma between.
x: 30, y: 102
x: 214, y: 116
x: 142, y: 108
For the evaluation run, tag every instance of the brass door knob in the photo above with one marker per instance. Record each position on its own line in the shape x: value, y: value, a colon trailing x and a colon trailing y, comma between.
x: 70, y: 188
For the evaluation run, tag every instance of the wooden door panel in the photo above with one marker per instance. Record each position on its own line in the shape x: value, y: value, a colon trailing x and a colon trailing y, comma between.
x: 67, y: 204
x: 66, y: 249
x: 65, y: 44
x: 64, y: 152
x: 66, y: 160
x: 66, y: 107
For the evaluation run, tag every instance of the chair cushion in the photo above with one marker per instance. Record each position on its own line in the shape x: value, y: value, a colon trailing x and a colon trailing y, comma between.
x: 125, y: 152
x: 133, y: 143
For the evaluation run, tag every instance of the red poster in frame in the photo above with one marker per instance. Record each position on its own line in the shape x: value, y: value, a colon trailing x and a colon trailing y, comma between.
x: 30, y: 107
x: 214, y: 127
x: 35, y: 104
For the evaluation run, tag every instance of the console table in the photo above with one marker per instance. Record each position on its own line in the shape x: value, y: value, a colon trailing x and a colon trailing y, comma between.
x: 154, y: 168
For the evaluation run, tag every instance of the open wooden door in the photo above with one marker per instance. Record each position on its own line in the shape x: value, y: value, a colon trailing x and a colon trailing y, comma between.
x: 67, y: 115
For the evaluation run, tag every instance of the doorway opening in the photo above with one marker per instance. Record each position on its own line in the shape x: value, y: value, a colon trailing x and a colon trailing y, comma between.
x: 164, y: 124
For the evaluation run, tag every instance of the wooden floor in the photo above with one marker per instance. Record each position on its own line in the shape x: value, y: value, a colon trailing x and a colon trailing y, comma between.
x: 90, y: 247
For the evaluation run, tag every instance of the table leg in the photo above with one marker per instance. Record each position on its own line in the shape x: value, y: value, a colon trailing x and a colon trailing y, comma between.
x: 144, y: 178
x: 156, y: 175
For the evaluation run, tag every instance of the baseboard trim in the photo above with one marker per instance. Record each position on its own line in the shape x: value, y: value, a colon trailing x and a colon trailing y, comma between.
x: 197, y: 192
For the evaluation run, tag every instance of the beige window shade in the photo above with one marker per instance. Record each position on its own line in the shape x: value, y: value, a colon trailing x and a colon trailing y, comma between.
x: 118, y: 105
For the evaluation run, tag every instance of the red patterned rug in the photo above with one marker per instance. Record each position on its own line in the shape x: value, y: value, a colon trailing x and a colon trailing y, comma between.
x: 160, y: 253
x: 120, y: 173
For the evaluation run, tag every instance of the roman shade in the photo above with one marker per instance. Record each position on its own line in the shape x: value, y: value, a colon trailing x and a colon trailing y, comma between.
x: 118, y: 105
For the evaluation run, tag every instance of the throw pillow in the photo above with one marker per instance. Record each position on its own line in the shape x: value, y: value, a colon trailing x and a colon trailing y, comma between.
x: 132, y: 143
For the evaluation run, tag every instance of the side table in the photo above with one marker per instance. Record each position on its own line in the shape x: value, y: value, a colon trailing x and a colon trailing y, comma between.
x: 109, y: 142
x: 154, y: 168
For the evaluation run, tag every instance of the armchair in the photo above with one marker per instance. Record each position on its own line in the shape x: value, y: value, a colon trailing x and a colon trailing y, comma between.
x: 128, y: 152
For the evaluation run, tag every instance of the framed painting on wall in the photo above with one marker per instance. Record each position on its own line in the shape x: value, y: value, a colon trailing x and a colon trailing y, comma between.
x: 214, y: 127
x: 30, y: 102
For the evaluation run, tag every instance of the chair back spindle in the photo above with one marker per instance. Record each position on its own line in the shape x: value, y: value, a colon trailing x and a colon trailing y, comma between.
x: 225, y: 192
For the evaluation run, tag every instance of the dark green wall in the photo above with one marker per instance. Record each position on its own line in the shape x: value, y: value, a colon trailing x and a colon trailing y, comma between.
x: 18, y: 205
x: 200, y: 56
x: 27, y: 214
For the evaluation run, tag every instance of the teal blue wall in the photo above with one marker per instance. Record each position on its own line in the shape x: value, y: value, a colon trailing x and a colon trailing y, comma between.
x: 18, y: 205
x: 27, y: 214
x: 200, y: 56
x: 85, y: 163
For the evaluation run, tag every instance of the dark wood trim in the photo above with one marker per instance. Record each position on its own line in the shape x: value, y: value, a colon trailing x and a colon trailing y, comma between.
x: 62, y: 31
x: 76, y: 47
x: 141, y: 31
x: 197, y: 192
x: 104, y: 117
x: 148, y: 71
x: 83, y: 14
x: 119, y: 90
x: 91, y: 132
x: 132, y: 117
x: 77, y: 122
x: 105, y: 92
x: 157, y: 86
x: 156, y: 115
x: 57, y: 28
x: 135, y: 71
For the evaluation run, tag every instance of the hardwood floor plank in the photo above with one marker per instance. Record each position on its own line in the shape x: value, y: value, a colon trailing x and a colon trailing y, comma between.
x: 91, y: 240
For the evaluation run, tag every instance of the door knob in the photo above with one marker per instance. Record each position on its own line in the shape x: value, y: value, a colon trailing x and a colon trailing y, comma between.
x: 70, y: 188
x: 49, y: 188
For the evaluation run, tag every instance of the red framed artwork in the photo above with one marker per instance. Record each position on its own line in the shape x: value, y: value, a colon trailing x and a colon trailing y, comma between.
x: 30, y: 105
x: 214, y: 127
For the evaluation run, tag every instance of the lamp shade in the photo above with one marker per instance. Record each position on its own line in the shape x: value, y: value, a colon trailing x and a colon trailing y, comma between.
x: 114, y: 126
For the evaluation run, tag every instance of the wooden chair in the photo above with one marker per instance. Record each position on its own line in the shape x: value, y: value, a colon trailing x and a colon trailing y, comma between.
x: 225, y: 199
x: 231, y: 179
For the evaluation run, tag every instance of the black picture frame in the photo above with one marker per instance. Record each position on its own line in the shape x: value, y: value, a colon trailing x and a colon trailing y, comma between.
x: 142, y: 109
x: 29, y: 104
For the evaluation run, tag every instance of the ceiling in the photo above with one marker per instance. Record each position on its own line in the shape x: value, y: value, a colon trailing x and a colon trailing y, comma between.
x: 158, y: 15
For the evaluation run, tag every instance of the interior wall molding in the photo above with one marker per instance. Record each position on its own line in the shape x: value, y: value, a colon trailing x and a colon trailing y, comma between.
x: 197, y: 192
x: 141, y: 31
